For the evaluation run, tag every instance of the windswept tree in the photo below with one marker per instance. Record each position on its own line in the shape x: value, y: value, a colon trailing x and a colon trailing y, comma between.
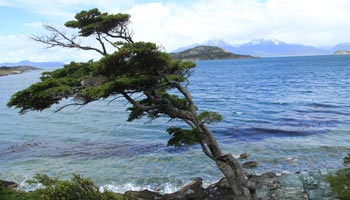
x: 142, y: 74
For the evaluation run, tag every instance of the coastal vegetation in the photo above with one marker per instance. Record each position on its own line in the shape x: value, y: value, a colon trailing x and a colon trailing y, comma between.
x: 138, y: 72
x: 77, y: 188
x: 206, y: 53
x: 340, y: 181
x: 342, y: 52
x: 4, y: 70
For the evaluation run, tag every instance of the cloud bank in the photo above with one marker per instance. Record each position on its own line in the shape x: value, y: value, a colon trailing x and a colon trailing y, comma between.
x: 173, y: 24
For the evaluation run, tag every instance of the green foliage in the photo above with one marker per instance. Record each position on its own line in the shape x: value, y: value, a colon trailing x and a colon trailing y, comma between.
x: 93, y: 21
x: 209, y: 117
x: 136, y: 67
x: 40, y: 95
x: 347, y: 160
x: 180, y: 137
x: 10, y: 194
x: 77, y: 188
x: 74, y: 189
x: 340, y: 182
x: 54, y: 86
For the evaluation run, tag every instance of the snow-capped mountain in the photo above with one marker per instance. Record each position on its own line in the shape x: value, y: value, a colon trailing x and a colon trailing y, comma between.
x: 265, y: 42
x: 273, y: 47
x: 270, y: 48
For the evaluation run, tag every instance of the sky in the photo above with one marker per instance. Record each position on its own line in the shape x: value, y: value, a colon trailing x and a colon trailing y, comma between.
x: 174, y: 24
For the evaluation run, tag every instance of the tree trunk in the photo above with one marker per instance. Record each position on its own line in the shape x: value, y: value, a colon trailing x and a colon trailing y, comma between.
x: 242, y: 188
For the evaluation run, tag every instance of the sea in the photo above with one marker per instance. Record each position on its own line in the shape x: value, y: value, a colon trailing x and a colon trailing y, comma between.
x: 290, y: 114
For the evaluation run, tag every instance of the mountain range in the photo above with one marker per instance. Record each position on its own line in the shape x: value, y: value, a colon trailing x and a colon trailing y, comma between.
x: 34, y: 64
x: 270, y: 48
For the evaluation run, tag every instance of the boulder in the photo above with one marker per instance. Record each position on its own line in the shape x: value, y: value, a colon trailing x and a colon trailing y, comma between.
x: 8, y: 184
x: 250, y: 164
x: 192, y: 191
x: 142, y: 195
x: 244, y: 156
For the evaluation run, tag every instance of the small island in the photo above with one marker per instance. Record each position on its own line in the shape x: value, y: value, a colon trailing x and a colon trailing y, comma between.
x: 4, y: 70
x: 342, y: 52
x: 207, y: 53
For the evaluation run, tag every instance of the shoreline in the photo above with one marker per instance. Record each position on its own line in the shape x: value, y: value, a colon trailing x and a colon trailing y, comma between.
x: 5, y: 71
x: 294, y: 186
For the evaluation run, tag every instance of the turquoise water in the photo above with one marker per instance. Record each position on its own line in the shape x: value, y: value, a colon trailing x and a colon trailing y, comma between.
x: 291, y: 114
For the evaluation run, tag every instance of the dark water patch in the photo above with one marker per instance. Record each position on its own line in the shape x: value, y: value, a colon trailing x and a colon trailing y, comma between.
x: 334, y: 112
x: 7, y: 150
x: 308, y: 123
x: 326, y: 112
x: 259, y: 133
x: 175, y: 150
x: 322, y: 105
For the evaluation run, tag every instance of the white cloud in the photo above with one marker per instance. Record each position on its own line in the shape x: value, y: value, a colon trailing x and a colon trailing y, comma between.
x: 311, y: 22
x: 15, y: 48
x: 178, y: 23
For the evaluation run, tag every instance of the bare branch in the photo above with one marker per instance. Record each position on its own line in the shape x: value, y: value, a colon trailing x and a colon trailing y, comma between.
x: 99, y: 39
x: 113, y: 100
x: 121, y: 32
x: 60, y: 38
x: 72, y: 104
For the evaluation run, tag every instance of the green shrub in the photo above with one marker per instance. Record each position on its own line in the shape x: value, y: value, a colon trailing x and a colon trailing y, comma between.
x: 10, y: 194
x: 340, y: 182
x: 77, y: 188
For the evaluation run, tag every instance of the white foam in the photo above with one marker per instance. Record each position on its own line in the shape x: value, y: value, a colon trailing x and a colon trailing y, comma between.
x: 164, y: 188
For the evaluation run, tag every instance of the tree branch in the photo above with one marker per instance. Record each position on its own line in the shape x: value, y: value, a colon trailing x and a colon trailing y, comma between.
x: 72, y: 104
x: 99, y: 39
x: 59, y: 38
x: 136, y: 104
x: 206, y: 151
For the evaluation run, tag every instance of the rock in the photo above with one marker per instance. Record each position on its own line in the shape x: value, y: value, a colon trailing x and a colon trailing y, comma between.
x: 8, y: 184
x: 244, y: 156
x: 250, y: 164
x: 142, y: 195
x: 219, y: 190
x: 316, y: 186
x: 193, y: 190
x: 268, y: 180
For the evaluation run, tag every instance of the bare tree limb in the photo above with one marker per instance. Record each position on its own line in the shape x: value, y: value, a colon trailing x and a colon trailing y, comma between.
x: 60, y: 38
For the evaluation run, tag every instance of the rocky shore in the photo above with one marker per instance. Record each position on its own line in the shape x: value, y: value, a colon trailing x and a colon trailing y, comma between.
x: 4, y: 71
x: 308, y: 186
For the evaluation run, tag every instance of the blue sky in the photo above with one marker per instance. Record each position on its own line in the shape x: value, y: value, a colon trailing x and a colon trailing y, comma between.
x: 172, y: 24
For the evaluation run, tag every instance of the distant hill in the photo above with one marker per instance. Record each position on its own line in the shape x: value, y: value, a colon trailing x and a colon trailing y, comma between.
x: 271, y: 48
x: 206, y: 53
x: 4, y: 71
x: 342, y: 52
x: 34, y: 64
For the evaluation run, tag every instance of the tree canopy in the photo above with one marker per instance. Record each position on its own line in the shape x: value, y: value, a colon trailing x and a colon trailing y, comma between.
x: 142, y: 74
